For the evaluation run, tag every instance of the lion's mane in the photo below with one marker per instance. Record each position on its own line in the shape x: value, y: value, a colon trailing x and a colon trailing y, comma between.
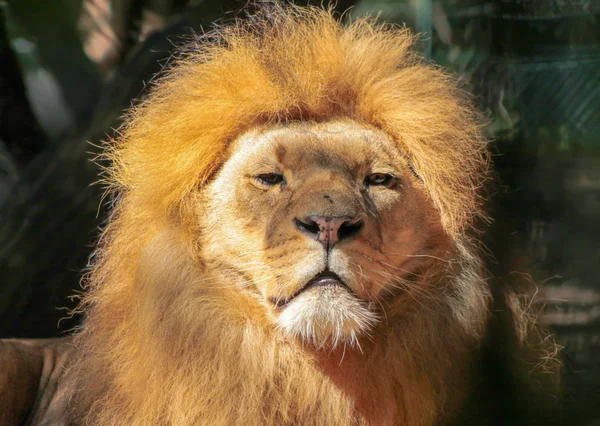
x: 155, y: 350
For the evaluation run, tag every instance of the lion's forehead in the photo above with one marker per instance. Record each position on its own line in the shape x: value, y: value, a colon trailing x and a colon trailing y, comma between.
x: 346, y: 141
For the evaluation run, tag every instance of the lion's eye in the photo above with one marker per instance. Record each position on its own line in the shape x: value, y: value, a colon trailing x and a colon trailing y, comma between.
x: 270, y: 179
x: 379, y: 179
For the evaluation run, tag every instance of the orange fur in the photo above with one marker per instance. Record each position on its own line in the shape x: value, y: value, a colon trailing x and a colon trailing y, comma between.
x: 165, y: 341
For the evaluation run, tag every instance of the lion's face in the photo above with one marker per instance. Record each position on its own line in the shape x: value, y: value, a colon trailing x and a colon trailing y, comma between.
x: 325, y: 223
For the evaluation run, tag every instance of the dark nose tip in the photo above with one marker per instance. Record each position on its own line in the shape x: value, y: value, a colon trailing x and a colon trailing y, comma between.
x: 329, y: 230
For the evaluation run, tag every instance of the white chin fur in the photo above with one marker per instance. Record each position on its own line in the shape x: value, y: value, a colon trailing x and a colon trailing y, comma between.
x: 325, y: 317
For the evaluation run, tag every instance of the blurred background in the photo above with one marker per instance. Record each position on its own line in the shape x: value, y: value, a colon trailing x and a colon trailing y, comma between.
x: 68, y: 69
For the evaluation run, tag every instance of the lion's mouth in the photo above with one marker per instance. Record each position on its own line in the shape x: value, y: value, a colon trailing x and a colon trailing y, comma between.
x: 325, y: 278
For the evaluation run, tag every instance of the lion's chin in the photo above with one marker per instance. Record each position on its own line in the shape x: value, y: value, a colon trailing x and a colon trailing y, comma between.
x: 325, y: 317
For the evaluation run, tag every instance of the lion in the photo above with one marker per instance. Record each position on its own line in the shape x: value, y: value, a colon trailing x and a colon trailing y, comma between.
x: 295, y: 239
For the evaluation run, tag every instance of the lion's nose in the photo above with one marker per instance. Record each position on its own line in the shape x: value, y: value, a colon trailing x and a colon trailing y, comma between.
x: 329, y: 230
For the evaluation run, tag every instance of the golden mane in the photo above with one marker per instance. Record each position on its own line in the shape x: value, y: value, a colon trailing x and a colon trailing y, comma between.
x: 294, y: 64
